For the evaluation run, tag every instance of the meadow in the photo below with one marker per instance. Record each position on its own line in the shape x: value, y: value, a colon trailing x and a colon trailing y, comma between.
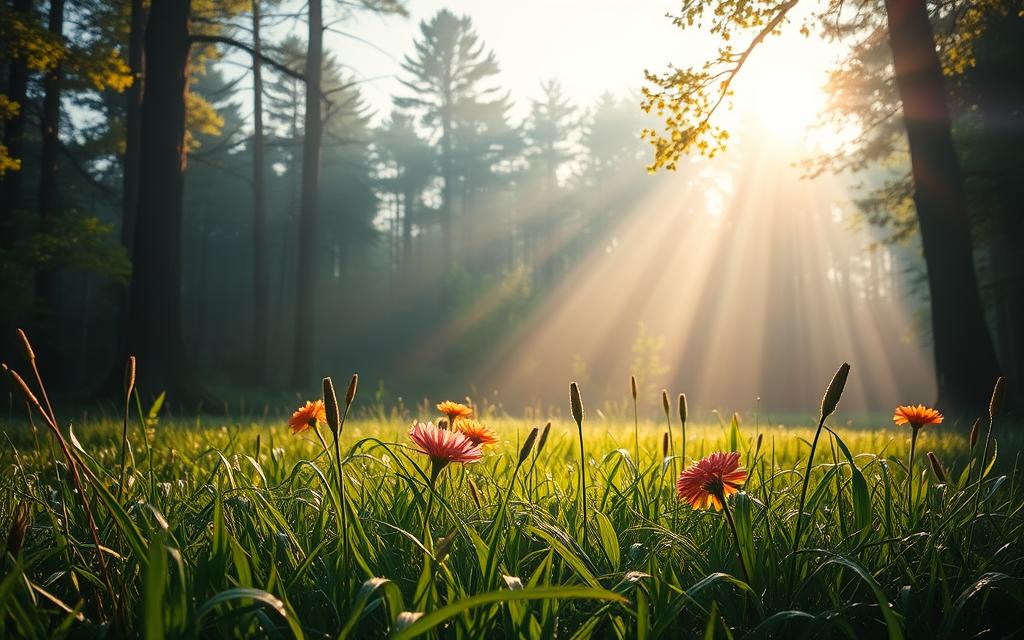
x: 347, y: 530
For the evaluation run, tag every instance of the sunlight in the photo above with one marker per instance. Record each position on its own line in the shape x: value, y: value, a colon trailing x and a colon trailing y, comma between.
x: 748, y: 276
x: 781, y: 95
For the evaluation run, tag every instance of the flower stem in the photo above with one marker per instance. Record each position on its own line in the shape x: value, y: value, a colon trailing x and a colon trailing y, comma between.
x: 735, y: 537
x: 910, y: 475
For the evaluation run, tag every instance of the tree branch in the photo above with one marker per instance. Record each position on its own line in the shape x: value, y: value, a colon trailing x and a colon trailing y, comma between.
x: 231, y: 42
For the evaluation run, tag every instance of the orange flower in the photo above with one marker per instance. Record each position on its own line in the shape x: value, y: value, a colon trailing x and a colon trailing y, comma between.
x: 707, y: 482
x: 916, y: 416
x: 443, y: 446
x: 308, y: 415
x: 477, y: 433
x: 454, y: 411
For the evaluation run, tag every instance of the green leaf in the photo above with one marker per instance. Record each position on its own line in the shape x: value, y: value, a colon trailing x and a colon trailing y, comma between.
x: 154, y: 584
x: 428, y: 621
x: 609, y: 540
x: 258, y: 595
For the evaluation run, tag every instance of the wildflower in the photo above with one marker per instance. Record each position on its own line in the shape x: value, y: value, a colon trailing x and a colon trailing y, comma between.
x: 477, y: 432
x: 442, y: 446
x: 916, y: 416
x: 307, y: 416
x: 709, y: 481
x: 454, y: 410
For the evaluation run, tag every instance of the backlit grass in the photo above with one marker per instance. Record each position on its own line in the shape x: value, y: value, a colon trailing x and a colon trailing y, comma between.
x: 228, y: 530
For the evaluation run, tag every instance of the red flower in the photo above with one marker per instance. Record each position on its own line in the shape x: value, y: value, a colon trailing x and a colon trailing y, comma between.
x: 707, y: 482
x: 916, y: 416
x: 477, y: 432
x: 307, y: 416
x: 454, y: 411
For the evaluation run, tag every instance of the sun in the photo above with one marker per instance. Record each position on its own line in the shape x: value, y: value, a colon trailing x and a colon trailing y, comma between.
x: 782, y: 94
x: 789, y: 102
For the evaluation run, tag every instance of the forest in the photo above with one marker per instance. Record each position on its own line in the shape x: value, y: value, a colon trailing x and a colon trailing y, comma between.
x: 450, y: 192
x: 688, y: 213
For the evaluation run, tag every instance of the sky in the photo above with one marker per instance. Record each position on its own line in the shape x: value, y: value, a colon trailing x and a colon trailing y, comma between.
x: 591, y: 46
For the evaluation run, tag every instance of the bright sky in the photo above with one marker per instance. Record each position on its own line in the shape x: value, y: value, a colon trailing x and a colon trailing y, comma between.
x: 592, y: 46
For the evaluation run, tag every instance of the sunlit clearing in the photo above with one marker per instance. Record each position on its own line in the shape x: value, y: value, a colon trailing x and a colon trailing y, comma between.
x: 733, y: 281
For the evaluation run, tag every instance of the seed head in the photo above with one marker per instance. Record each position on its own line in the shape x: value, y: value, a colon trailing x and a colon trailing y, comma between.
x: 528, y: 444
x: 576, y: 403
x: 26, y: 345
x: 351, y: 393
x: 937, y: 469
x: 543, y: 437
x: 830, y: 400
x: 331, y: 407
x: 997, y: 399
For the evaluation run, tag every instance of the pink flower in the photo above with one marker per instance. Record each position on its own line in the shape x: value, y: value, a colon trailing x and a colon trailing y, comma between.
x: 443, y: 446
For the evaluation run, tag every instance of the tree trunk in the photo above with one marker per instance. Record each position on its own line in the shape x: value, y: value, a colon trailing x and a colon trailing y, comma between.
x: 965, y: 360
x: 408, y: 210
x: 49, y: 129
x: 260, y: 271
x: 305, y: 286
x: 14, y: 137
x: 447, y: 194
x: 155, y: 311
x: 49, y: 123
x: 133, y: 108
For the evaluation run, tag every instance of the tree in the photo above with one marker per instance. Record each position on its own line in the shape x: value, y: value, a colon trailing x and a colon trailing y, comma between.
x: 312, y: 137
x: 550, y: 132
x: 688, y: 98
x: 260, y: 269
x: 309, y: 194
x: 406, y: 166
x: 133, y: 110
x: 446, y: 75
x: 155, y: 313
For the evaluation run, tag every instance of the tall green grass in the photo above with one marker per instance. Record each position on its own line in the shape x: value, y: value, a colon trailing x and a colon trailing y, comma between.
x: 228, y: 530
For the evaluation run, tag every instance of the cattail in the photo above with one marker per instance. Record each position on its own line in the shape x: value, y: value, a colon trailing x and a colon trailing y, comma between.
x: 632, y: 386
x: 19, y: 528
x: 543, y: 437
x: 331, y: 407
x: 350, y: 395
x: 20, y: 382
x: 682, y: 408
x: 997, y: 399
x: 937, y: 469
x: 830, y: 400
x: 473, y: 493
x: 576, y: 403
x: 664, y: 445
x: 757, y: 447
x: 973, y: 438
x: 129, y: 376
x: 528, y: 444
x: 665, y: 404
x: 26, y: 345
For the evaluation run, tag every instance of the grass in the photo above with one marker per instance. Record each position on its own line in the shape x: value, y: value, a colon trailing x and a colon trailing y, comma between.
x: 243, y: 531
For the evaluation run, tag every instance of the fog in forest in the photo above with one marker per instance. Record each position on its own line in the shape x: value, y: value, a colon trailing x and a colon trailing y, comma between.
x: 498, y: 234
